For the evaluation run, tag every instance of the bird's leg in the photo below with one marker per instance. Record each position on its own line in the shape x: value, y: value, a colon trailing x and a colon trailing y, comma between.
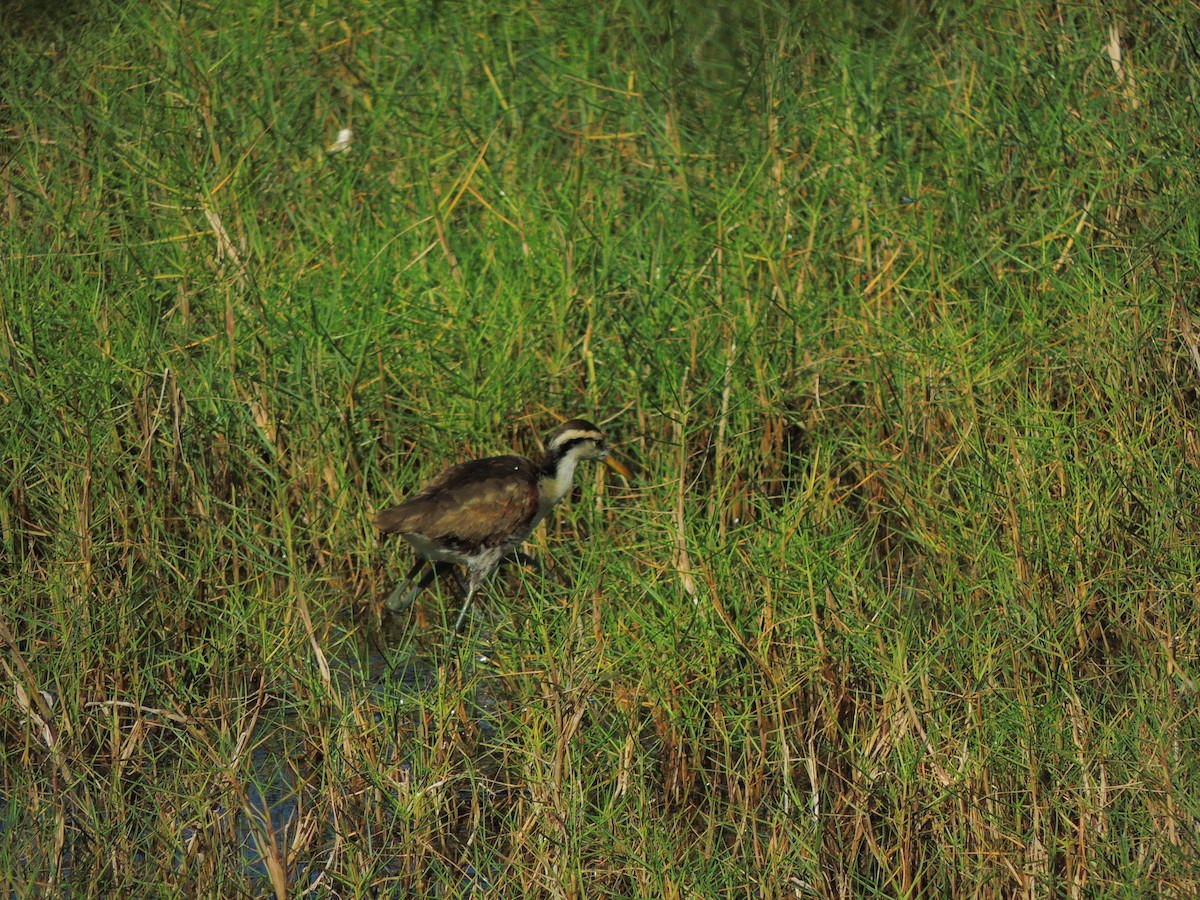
x: 462, y: 585
x: 466, y: 606
x: 398, y: 601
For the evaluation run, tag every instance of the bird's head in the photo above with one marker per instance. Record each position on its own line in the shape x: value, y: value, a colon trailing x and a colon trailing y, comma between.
x: 579, y: 439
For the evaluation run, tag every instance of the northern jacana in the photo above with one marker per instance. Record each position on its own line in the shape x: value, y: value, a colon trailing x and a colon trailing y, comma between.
x: 476, y: 513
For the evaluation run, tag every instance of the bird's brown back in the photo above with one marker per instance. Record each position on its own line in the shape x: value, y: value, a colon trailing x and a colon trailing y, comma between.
x: 475, y: 502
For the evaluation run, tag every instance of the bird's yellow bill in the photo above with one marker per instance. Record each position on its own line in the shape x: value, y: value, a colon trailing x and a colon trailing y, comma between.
x: 619, y: 467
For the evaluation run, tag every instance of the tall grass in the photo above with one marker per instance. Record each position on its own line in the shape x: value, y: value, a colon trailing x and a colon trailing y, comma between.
x: 889, y: 305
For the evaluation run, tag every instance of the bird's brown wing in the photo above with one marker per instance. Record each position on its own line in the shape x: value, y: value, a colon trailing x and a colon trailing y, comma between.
x: 472, y: 502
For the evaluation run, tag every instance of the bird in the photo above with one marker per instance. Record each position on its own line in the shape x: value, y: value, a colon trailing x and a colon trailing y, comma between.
x: 478, y: 512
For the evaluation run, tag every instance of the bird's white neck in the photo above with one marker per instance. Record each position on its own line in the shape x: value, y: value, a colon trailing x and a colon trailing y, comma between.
x: 555, y: 483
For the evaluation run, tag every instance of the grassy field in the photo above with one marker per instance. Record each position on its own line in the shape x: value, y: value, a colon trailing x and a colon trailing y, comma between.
x: 888, y: 306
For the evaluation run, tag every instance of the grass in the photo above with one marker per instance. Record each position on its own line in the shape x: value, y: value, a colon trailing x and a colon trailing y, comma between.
x: 889, y: 305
